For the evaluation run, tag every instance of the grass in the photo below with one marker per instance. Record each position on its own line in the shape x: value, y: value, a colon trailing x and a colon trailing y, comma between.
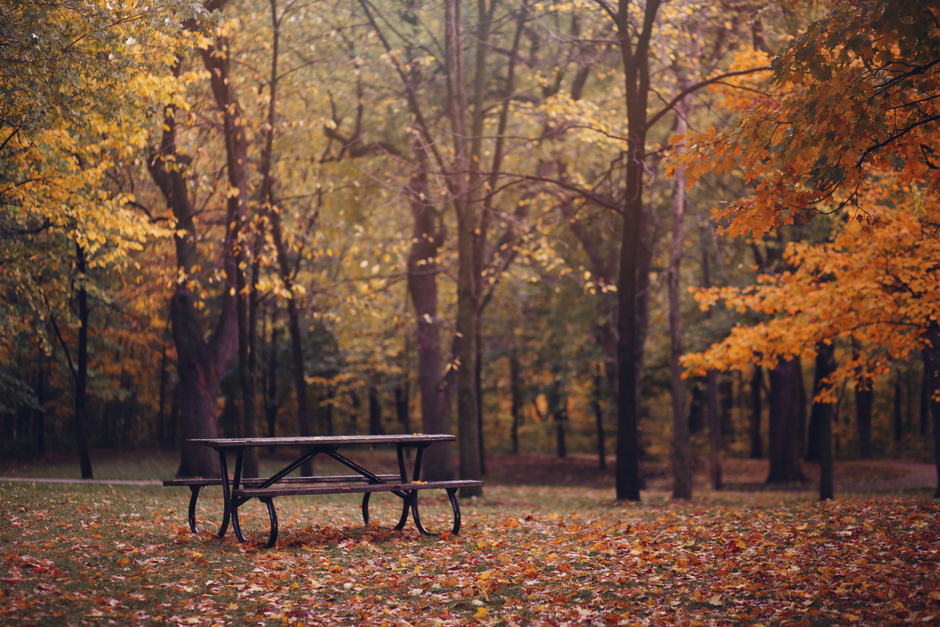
x: 78, y: 553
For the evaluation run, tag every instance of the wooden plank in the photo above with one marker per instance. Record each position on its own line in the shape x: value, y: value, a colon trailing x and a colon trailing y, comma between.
x: 190, y: 481
x: 336, y: 440
x: 352, y: 489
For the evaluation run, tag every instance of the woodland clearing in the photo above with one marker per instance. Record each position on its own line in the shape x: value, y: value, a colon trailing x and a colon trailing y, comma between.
x: 553, y: 552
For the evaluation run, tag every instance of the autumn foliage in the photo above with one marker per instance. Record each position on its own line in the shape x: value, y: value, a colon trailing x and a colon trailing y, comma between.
x: 840, y: 142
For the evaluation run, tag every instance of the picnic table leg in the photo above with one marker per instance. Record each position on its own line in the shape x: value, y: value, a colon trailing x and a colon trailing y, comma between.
x: 365, y: 512
x: 412, y: 501
x: 192, y: 507
x: 233, y: 503
x: 272, y: 514
x: 452, y: 495
x: 226, y: 494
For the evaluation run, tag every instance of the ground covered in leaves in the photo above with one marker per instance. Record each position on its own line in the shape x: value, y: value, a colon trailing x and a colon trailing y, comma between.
x: 527, y: 555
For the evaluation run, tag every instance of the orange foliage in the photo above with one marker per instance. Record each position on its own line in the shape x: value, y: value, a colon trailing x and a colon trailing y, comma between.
x: 845, y: 129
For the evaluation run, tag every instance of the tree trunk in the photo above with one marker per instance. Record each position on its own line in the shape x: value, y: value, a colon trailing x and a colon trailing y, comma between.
x: 931, y: 353
x: 428, y: 236
x: 200, y: 364
x: 401, y: 406
x: 819, y: 440
x: 270, y: 397
x: 198, y: 387
x: 478, y: 375
x: 465, y: 183
x: 216, y: 60
x: 826, y: 487
x: 634, y: 52
x: 164, y: 380
x: 757, y: 381
x: 801, y: 412
x: 697, y: 404
x: 516, y: 400
x: 898, y: 409
x: 38, y: 412
x: 681, y: 447
x: 864, y: 399
x: 714, y: 430
x: 783, y: 445
x: 246, y: 365
x: 328, y: 413
x: 557, y: 409
x: 825, y: 365
x: 924, y: 400
x: 726, y: 407
x: 81, y: 374
x: 375, y: 412
x: 711, y: 391
x: 599, y: 419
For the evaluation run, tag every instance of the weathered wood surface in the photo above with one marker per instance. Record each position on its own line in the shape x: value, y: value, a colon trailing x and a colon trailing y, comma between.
x: 200, y: 481
x: 352, y: 489
x: 333, y: 440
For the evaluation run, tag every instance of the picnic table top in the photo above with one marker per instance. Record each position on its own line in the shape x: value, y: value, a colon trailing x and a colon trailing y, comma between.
x: 329, y: 440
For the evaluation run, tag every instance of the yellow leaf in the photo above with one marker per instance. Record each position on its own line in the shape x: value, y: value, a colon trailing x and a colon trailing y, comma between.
x: 716, y: 600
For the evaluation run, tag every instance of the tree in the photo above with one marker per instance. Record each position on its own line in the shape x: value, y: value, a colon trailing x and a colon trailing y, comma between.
x: 75, y: 79
x: 847, y: 131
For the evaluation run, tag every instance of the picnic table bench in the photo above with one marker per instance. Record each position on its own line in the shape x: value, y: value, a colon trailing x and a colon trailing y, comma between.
x: 238, y: 490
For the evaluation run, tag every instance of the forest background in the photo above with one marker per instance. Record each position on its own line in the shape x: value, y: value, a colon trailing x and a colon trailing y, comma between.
x: 277, y: 218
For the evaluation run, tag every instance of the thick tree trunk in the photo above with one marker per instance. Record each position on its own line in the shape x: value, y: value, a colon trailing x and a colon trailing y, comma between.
x: 825, y: 365
x: 81, y: 374
x: 634, y: 52
x: 627, y: 471
x: 931, y: 354
x: 216, y: 61
x: 464, y: 184
x: 783, y: 445
x: 757, y: 381
x: 467, y: 311
x: 200, y: 363
x: 197, y: 390
x: 427, y: 238
x: 819, y: 440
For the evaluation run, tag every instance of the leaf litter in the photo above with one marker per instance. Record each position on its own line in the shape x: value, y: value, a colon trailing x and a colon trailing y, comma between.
x: 525, y: 556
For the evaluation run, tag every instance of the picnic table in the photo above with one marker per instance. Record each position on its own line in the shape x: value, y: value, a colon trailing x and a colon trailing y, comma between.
x: 237, y: 490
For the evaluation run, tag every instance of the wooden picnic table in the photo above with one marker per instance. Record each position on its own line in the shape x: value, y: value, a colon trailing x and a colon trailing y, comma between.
x: 237, y: 490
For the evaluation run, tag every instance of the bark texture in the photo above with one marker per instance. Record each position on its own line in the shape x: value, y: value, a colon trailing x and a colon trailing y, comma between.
x: 783, y: 446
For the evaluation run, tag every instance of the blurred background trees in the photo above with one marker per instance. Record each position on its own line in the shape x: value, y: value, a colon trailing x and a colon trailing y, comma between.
x: 290, y: 217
